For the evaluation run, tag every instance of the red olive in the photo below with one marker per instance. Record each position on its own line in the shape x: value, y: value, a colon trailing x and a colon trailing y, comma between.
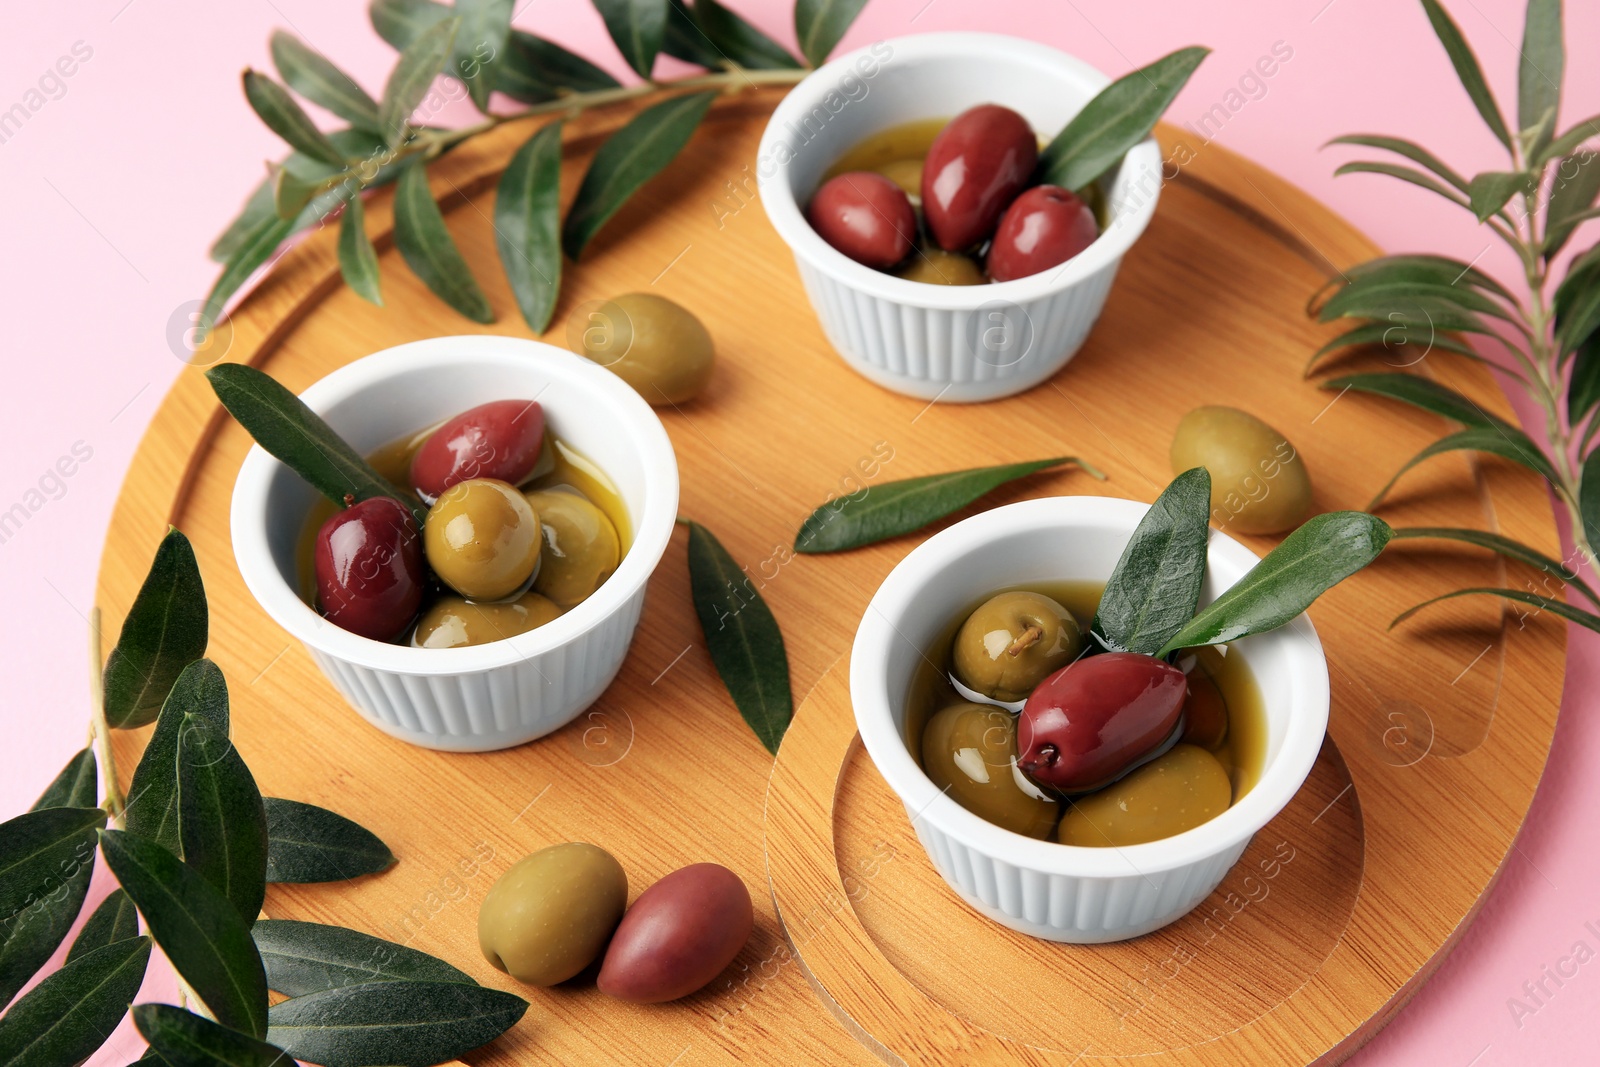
x: 680, y: 934
x: 497, y: 440
x: 1092, y: 719
x: 866, y: 216
x: 975, y: 167
x: 369, y: 568
x: 1044, y: 226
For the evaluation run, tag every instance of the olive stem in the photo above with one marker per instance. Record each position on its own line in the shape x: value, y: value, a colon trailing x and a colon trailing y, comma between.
x: 1025, y: 639
x: 99, y: 731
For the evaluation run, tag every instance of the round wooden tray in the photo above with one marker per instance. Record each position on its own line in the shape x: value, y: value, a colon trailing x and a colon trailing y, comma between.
x: 661, y: 770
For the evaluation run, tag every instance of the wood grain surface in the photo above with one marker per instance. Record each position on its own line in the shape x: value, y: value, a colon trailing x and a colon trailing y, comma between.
x: 661, y: 771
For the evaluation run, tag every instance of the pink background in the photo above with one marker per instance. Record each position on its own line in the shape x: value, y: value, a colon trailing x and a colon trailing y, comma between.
x: 116, y: 185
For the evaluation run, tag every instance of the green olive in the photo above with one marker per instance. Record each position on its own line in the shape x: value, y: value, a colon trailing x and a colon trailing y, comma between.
x: 453, y: 622
x: 906, y: 173
x: 654, y: 345
x: 581, y: 548
x: 1259, y: 483
x: 938, y: 267
x: 1172, y: 793
x: 549, y: 916
x: 482, y: 539
x: 1012, y: 642
x: 971, y: 751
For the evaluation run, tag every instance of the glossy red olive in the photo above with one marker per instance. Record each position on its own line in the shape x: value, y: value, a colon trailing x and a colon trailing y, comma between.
x: 499, y: 440
x: 1044, y: 227
x: 368, y: 563
x: 1093, y: 719
x: 679, y: 935
x: 975, y: 167
x: 866, y: 216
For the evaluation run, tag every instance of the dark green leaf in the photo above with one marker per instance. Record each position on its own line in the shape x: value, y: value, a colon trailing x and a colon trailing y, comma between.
x: 66, y: 1017
x: 1408, y: 150
x: 303, y: 958
x: 1504, y: 546
x: 1589, y: 498
x: 1467, y: 70
x: 1323, y: 552
x: 1543, y: 603
x: 306, y: 843
x: 358, y: 261
x: 1572, y: 193
x: 314, y: 77
x: 1119, y: 117
x: 1507, y: 442
x: 281, y: 423
x: 392, y: 1022
x: 1583, y: 390
x: 1156, y: 583
x: 685, y: 40
x: 1536, y: 141
x: 1442, y: 306
x: 221, y: 822
x: 152, y: 810
x: 527, y: 225
x: 1577, y: 302
x: 165, y: 631
x: 291, y: 194
x: 1424, y: 393
x: 183, y: 1039
x: 1488, y: 192
x: 1579, y: 133
x: 46, y: 861
x: 629, y: 158
x: 739, y: 41
x: 255, y: 247
x: 275, y: 107
x: 114, y: 920
x: 400, y: 22
x: 1405, y: 174
x: 1397, y: 340
x: 1543, y: 59
x: 820, y: 24
x: 743, y: 638
x: 556, y: 66
x: 637, y: 27
x: 1418, y: 268
x: 77, y: 786
x: 895, y: 508
x: 480, y: 45
x: 413, y: 73
x: 196, y: 926
x: 428, y: 249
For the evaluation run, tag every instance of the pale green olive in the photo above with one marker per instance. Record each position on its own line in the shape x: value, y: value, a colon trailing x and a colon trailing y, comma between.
x: 1259, y: 483
x: 938, y: 267
x: 581, y: 548
x: 1172, y: 793
x: 970, y: 750
x: 550, y: 915
x: 453, y: 622
x: 482, y: 539
x: 906, y: 173
x: 1012, y: 642
x: 654, y: 345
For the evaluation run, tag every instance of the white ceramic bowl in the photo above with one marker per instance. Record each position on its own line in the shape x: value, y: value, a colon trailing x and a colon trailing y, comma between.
x: 486, y: 696
x: 954, y: 343
x: 1053, y: 891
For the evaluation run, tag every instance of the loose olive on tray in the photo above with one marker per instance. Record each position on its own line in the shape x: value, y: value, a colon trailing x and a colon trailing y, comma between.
x: 499, y: 440
x: 369, y: 568
x: 970, y: 750
x: 550, y: 915
x: 482, y: 539
x: 680, y: 934
x: 866, y: 216
x: 653, y: 344
x: 1259, y: 483
x: 1011, y: 642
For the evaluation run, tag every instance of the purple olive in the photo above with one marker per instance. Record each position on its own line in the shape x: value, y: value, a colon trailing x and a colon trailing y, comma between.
x: 1043, y: 227
x: 499, y: 440
x: 369, y: 568
x: 866, y: 216
x: 975, y: 167
x: 679, y: 935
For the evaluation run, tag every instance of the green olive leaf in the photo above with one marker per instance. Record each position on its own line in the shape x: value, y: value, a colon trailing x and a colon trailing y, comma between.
x: 392, y: 1022
x: 77, y: 786
x: 1405, y: 174
x: 736, y: 39
x: 306, y: 843
x: 420, y: 62
x: 1490, y: 191
x: 196, y: 926
x: 637, y: 28
x: 310, y: 73
x: 275, y: 107
x: 1419, y: 392
x: 400, y: 22
x: 69, y: 1015
x: 152, y: 809
x: 1323, y: 552
x: 181, y: 1038
x: 166, y: 630
x: 114, y: 920
x: 743, y: 638
x: 46, y: 861
x: 892, y: 509
x: 1507, y: 442
x: 222, y: 825
x: 1505, y: 546
x: 1577, y: 304
x: 556, y: 66
x: 527, y: 225
x: 480, y: 46
x: 684, y: 39
x: 1153, y: 590
x: 820, y: 24
x: 281, y: 424
x: 1543, y: 59
x: 1406, y: 150
x: 1583, y: 387
x: 1393, y: 300
x: 428, y: 249
x: 1119, y: 117
x: 1543, y: 603
x: 291, y: 194
x: 255, y: 247
x: 1579, y: 133
x: 1572, y: 194
x: 303, y: 957
x: 1589, y: 497
x: 1409, y: 269
x: 1467, y: 69
x: 358, y: 260
x: 1398, y: 339
x: 629, y: 158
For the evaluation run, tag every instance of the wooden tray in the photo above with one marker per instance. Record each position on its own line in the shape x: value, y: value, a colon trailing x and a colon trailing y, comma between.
x: 661, y: 770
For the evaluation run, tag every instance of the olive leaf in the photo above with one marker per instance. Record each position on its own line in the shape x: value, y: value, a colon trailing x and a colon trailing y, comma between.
x: 738, y: 40
x: 413, y: 73
x: 1589, y: 498
x: 1583, y: 387
x: 306, y: 843
x: 685, y: 40
x: 1543, y: 59
x: 1543, y: 603
x: 428, y: 249
x: 881, y: 512
x: 1153, y: 589
x: 358, y: 261
x: 1579, y: 133
x: 527, y: 225
x: 67, y: 1016
x: 1424, y: 393
x: 1405, y: 174
x: 77, y: 786
x: 1119, y: 117
x: 196, y: 926
x: 820, y: 24
x: 275, y: 107
x: 1395, y: 338
x: 1467, y: 69
x: 310, y: 73
x: 1572, y: 194
x: 284, y: 426
x: 629, y: 158
x: 114, y: 920
x: 400, y: 22
x: 291, y: 194
x: 181, y: 1038
x: 302, y: 957
x: 166, y: 630
x: 480, y: 45
x: 1406, y: 150
x: 1323, y: 552
x: 46, y: 861
x: 1390, y: 299
x: 392, y: 1022
x: 743, y: 638
x: 637, y: 27
x: 1577, y: 302
x: 558, y: 67
x: 1409, y: 268
x: 222, y: 825
x: 1505, y: 546
x: 1504, y: 441
x: 1490, y: 191
x: 152, y: 808
x: 255, y: 247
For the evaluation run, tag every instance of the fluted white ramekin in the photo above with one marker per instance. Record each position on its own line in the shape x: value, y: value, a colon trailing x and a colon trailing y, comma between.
x: 487, y: 696
x: 950, y: 342
x: 1061, y: 892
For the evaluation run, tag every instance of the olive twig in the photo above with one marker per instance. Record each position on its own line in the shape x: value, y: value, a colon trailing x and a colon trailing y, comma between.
x: 99, y: 731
